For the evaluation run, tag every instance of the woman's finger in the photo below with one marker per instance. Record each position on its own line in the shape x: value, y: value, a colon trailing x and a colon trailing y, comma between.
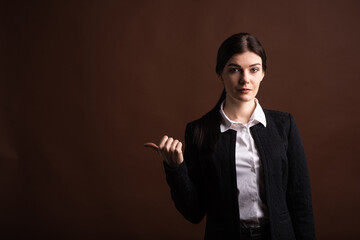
x: 173, y: 145
x: 162, y: 142
x: 178, y: 149
x: 152, y: 146
x: 168, y: 144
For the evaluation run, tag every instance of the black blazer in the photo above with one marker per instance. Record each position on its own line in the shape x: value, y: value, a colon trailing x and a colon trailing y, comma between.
x: 205, y: 184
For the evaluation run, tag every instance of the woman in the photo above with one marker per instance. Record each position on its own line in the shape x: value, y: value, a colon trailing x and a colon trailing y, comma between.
x: 243, y: 167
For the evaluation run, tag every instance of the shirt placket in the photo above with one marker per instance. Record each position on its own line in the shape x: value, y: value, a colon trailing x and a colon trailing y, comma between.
x: 253, y: 192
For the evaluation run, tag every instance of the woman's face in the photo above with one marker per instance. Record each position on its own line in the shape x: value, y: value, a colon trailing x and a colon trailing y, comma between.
x: 242, y: 75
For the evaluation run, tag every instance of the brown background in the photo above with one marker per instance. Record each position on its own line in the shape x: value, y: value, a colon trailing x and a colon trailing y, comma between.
x: 85, y: 83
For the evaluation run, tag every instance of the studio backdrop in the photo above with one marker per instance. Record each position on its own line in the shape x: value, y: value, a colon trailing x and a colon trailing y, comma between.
x: 83, y: 84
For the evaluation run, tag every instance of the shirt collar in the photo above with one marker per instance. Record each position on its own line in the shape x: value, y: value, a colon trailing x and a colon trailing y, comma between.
x: 258, y: 116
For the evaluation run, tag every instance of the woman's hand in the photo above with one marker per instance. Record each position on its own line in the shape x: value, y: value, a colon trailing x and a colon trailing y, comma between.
x: 169, y: 149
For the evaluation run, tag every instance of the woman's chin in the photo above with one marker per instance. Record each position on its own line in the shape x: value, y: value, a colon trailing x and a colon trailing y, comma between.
x: 245, y: 98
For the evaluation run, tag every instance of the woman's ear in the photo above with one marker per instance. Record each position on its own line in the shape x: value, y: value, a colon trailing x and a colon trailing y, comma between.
x: 221, y: 79
x: 263, y: 75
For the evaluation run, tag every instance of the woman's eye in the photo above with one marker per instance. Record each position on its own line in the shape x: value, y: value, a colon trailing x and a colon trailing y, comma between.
x: 234, y: 70
x: 254, y: 70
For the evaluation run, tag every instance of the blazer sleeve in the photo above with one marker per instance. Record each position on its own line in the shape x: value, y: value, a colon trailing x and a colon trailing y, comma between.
x: 185, y: 182
x: 298, y: 192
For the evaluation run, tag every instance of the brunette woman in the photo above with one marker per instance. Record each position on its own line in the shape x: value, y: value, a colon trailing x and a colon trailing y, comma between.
x: 243, y: 167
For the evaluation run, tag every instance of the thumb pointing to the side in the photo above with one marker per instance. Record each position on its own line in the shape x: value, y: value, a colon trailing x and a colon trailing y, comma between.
x: 152, y: 146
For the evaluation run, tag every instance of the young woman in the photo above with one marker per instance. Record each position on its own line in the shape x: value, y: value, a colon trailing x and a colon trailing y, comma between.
x: 243, y: 167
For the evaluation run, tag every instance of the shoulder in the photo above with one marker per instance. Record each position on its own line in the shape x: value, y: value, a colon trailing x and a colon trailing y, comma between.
x: 282, y: 121
x: 191, y: 126
x: 203, y: 132
x: 279, y: 120
x: 210, y: 116
x: 277, y: 116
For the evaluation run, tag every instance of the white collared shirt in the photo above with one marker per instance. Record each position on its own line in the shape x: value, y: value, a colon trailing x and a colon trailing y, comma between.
x: 249, y: 172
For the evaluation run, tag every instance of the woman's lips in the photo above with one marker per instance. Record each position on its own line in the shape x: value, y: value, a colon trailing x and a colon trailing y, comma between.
x: 244, y: 90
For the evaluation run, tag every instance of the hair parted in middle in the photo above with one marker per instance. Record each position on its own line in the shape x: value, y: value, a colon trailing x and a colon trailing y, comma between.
x: 206, y: 133
x: 237, y: 44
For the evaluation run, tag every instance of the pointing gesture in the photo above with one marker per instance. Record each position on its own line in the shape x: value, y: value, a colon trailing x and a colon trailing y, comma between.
x: 169, y: 149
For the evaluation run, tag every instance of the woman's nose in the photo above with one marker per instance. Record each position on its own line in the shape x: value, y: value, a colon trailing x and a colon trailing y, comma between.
x: 243, y: 78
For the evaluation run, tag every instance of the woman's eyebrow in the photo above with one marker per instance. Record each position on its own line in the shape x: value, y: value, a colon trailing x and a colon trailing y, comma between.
x: 233, y: 65
x: 237, y: 65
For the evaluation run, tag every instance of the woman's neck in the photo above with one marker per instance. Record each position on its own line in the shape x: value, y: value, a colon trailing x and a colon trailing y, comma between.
x: 238, y: 111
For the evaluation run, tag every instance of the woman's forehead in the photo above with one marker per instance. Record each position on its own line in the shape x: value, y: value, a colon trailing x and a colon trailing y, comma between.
x: 245, y: 59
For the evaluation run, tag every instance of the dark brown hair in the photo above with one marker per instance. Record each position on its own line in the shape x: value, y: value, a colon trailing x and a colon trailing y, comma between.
x: 206, y: 133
